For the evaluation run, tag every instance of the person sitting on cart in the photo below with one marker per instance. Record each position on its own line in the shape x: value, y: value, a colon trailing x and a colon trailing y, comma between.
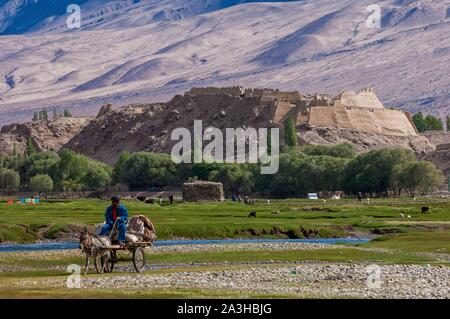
x: 116, y: 213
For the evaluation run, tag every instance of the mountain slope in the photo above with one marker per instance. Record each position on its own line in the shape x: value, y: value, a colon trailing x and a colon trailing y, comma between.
x: 149, y: 50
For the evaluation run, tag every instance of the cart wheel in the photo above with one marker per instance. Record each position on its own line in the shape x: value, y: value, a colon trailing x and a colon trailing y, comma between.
x: 139, y: 259
x: 107, y: 262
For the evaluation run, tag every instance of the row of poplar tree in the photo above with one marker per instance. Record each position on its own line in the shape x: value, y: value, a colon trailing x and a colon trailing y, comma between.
x: 43, y: 114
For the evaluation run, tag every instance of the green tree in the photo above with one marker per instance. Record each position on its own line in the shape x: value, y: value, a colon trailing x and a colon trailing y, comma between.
x: 144, y: 169
x: 420, y: 122
x: 291, y: 179
x: 97, y: 177
x: 67, y: 113
x: 290, y: 135
x: 119, y: 170
x: 30, y: 147
x: 417, y: 177
x: 76, y: 172
x: 236, y: 178
x: 372, y: 172
x: 10, y: 179
x: 434, y: 123
x: 40, y: 163
x: 41, y: 183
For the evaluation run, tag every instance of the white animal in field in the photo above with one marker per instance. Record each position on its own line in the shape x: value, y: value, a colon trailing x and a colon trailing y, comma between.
x: 268, y: 202
x: 402, y: 215
x: 409, y: 216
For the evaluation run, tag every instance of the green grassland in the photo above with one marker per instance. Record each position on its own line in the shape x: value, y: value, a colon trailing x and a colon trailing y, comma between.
x: 26, y: 223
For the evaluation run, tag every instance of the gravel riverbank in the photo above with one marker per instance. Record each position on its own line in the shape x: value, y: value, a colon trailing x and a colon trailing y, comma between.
x: 301, y: 279
x: 307, y: 280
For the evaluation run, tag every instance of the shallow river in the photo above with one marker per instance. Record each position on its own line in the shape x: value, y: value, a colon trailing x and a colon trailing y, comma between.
x: 74, y: 245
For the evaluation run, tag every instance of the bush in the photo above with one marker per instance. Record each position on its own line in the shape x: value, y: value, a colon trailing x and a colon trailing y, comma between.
x: 10, y: 179
x: 144, y: 169
x: 41, y: 183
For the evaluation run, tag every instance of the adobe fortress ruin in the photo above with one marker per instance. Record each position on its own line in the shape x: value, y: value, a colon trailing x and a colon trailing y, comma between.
x: 361, y: 111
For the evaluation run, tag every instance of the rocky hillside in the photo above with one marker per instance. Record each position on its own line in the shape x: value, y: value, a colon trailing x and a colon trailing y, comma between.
x: 149, y: 127
x: 364, y: 142
x: 437, y: 138
x: 440, y: 157
x: 45, y: 135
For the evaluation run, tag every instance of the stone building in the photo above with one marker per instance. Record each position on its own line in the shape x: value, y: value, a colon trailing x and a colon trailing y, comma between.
x: 201, y: 191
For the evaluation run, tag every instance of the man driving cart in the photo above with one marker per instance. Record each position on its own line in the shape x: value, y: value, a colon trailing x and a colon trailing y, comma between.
x: 116, y: 214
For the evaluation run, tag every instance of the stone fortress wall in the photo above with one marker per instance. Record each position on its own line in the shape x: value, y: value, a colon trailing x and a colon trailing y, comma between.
x: 361, y: 111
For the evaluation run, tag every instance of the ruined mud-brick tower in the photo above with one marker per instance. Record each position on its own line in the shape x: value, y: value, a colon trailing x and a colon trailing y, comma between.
x: 201, y: 191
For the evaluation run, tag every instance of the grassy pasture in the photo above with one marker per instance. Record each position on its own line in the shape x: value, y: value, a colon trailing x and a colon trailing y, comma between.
x: 25, y: 223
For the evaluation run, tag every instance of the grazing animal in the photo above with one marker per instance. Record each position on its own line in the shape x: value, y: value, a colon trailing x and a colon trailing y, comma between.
x: 141, y: 198
x: 149, y: 201
x: 409, y: 216
x: 252, y: 214
x: 93, y: 246
x: 402, y: 215
x: 276, y: 212
x: 426, y: 209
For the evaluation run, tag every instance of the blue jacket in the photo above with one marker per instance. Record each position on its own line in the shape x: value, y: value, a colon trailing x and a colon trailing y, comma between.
x: 121, y: 214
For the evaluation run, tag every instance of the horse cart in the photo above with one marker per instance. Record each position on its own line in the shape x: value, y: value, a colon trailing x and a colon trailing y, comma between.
x: 140, y: 236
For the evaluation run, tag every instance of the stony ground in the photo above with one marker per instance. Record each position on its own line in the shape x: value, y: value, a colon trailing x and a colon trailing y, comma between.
x: 309, y: 279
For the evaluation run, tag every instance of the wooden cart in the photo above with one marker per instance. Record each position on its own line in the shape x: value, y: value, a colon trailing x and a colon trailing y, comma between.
x: 137, y: 250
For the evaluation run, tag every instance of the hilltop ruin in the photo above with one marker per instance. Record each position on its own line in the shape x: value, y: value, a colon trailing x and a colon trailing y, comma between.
x: 358, y: 118
x: 361, y: 111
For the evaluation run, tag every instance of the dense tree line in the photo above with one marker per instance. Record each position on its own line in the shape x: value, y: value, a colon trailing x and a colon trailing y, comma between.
x: 302, y: 170
x: 47, y: 171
